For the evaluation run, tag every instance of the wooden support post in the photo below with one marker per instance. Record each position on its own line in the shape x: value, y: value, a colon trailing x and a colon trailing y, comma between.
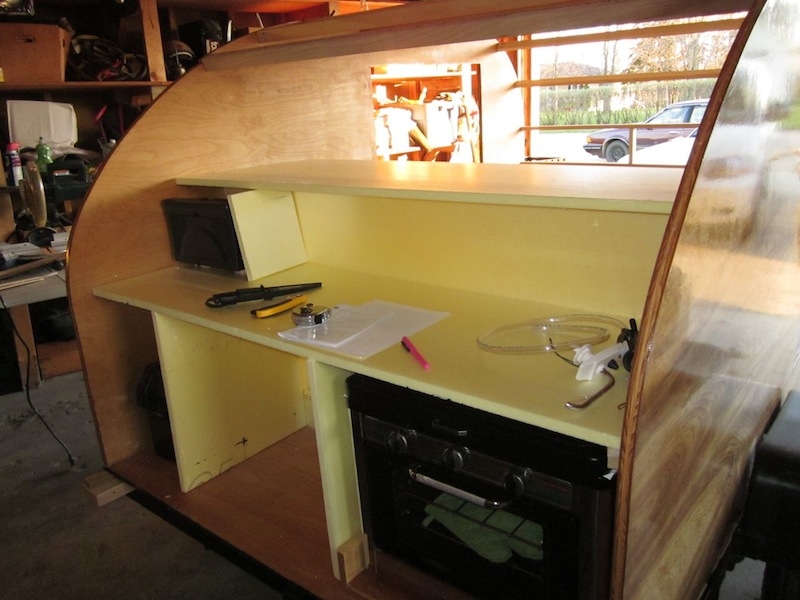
x: 151, y: 30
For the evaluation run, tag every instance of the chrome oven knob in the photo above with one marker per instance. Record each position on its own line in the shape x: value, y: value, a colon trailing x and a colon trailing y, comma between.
x: 397, y: 442
x: 454, y: 459
x: 514, y: 484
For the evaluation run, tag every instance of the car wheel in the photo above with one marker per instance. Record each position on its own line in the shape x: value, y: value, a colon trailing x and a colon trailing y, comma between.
x: 616, y: 150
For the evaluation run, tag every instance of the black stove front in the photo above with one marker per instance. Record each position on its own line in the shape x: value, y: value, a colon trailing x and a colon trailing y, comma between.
x: 501, y: 509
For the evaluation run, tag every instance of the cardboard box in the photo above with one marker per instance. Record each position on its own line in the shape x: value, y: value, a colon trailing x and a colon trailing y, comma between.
x: 32, y: 53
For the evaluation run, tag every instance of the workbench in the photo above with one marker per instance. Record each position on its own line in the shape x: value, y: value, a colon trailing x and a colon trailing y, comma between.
x: 37, y: 362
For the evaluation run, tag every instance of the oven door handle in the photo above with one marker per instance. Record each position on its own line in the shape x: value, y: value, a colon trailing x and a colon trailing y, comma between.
x: 458, y: 492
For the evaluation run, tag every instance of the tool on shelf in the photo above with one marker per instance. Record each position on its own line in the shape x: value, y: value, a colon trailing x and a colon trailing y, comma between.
x: 278, y: 306
x: 258, y: 293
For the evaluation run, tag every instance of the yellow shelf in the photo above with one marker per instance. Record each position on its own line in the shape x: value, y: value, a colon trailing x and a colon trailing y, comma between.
x: 591, y: 187
x: 529, y: 388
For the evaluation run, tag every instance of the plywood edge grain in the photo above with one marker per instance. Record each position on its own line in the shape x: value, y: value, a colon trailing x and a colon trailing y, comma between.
x: 447, y: 22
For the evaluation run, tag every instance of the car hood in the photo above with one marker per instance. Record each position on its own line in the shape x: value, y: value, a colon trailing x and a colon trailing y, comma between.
x: 673, y: 152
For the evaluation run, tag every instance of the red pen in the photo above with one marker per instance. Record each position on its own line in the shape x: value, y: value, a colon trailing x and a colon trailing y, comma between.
x: 410, y: 347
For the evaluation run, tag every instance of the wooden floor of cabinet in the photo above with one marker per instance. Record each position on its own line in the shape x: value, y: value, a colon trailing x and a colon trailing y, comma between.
x: 269, y: 507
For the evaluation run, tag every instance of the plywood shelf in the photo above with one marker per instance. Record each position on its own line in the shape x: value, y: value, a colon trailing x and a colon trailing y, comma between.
x: 592, y: 187
x: 528, y: 388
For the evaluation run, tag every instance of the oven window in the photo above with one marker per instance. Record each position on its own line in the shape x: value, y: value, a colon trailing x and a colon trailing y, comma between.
x: 499, y: 553
x: 496, y: 535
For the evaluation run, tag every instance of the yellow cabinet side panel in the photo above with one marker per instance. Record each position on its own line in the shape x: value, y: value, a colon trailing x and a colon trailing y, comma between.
x: 336, y: 455
x: 228, y: 398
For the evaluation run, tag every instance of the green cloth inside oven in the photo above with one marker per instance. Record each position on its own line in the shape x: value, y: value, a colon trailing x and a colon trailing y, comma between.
x: 494, y: 534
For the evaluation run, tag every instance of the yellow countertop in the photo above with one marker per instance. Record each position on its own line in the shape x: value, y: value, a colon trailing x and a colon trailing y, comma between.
x: 531, y: 388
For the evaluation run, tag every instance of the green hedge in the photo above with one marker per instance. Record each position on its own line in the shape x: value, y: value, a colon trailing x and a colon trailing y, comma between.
x: 590, y: 105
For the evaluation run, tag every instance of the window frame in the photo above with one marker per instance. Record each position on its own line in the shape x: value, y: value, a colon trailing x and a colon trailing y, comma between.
x: 520, y: 50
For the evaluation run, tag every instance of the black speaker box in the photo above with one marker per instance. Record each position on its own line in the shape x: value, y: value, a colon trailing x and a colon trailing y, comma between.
x: 201, y: 232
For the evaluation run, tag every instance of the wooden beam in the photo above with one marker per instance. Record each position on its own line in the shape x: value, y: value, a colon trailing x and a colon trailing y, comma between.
x: 620, y: 78
x: 105, y: 487
x: 447, y: 22
x: 630, y: 33
x: 151, y: 30
x: 353, y: 557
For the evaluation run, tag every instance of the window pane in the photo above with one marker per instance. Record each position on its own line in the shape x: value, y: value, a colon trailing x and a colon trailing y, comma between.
x: 672, y: 115
x: 697, y: 114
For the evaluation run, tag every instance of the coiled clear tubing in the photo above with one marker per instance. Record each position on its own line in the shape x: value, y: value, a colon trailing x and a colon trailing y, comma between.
x: 549, y: 334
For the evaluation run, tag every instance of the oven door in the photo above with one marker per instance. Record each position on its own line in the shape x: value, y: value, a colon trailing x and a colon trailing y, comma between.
x: 454, y: 530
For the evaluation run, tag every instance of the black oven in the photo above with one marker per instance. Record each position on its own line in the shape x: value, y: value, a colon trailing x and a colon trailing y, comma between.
x: 498, y: 508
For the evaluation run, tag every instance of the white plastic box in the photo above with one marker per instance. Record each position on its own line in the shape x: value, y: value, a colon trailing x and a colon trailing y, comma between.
x: 55, y: 122
x: 438, y: 120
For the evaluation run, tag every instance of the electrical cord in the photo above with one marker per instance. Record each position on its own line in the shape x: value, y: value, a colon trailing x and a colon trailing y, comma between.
x: 70, y: 457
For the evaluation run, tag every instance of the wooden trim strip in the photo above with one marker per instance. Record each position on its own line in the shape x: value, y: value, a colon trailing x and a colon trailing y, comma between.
x: 620, y: 78
x: 634, y: 33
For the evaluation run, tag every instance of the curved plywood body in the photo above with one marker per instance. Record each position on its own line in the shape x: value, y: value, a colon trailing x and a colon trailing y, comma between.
x: 720, y: 327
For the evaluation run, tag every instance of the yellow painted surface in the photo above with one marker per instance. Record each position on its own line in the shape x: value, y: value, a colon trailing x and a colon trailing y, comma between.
x: 336, y: 458
x: 592, y: 261
x: 228, y: 398
x: 528, y: 388
x: 595, y: 187
x: 268, y: 231
x: 584, y: 237
x: 487, y: 245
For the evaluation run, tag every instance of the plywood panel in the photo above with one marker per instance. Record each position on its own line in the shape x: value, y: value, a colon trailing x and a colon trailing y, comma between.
x: 449, y: 22
x: 719, y: 337
x: 252, y: 498
x: 228, y: 398
x: 268, y: 232
x: 336, y: 457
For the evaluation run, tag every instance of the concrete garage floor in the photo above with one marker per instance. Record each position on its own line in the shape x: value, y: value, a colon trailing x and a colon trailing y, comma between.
x: 55, y: 542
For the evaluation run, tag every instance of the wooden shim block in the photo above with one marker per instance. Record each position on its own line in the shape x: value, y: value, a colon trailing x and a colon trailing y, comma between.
x: 58, y: 358
x: 353, y: 557
x: 105, y: 488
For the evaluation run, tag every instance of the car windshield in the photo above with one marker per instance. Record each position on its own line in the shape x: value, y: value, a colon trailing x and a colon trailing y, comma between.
x: 679, y: 114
